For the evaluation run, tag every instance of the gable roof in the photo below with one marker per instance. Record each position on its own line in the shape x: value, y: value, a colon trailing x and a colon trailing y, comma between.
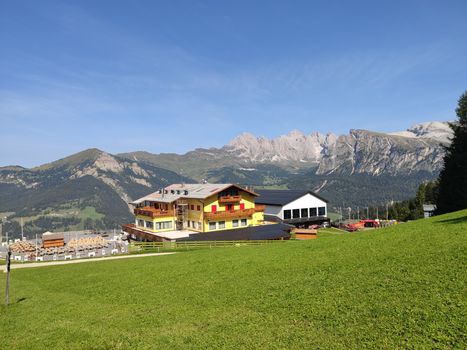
x: 195, y: 191
x: 283, y: 197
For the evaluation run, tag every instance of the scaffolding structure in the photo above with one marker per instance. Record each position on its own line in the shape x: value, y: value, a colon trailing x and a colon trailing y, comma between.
x: 182, y: 208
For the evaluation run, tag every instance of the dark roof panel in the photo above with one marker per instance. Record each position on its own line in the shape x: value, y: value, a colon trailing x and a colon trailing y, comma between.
x: 262, y: 232
x: 282, y: 197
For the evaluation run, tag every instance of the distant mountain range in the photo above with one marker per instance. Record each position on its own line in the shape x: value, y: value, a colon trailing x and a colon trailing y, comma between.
x: 92, y: 188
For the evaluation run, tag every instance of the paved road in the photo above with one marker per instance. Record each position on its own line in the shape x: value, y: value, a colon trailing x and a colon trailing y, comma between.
x: 77, y: 261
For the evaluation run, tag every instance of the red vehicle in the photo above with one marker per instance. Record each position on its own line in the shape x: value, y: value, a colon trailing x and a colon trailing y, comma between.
x: 370, y: 223
x: 349, y: 227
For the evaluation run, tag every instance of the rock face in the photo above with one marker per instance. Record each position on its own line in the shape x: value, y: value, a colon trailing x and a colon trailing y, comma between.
x: 419, y: 148
x: 375, y: 154
x: 439, y: 131
x: 295, y: 146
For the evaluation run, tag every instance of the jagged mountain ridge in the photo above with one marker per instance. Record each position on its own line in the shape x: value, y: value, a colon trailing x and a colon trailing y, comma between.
x: 360, y: 168
x: 361, y: 151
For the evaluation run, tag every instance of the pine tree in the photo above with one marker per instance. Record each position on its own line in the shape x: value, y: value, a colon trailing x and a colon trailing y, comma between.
x: 453, y: 178
x: 419, y: 201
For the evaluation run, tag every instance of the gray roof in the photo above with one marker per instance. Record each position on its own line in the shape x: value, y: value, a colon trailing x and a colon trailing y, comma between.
x: 195, y: 191
x: 429, y: 207
x: 282, y: 197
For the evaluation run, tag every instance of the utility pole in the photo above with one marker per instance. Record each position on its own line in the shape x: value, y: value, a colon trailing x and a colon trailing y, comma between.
x: 367, y: 213
x: 358, y: 213
x: 387, y: 212
x: 376, y: 212
x: 22, y: 233
x: 7, y: 287
x: 350, y: 209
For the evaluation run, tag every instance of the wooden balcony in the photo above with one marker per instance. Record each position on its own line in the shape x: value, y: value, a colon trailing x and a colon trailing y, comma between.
x: 230, y: 199
x: 259, y: 207
x: 153, y: 212
x: 230, y: 214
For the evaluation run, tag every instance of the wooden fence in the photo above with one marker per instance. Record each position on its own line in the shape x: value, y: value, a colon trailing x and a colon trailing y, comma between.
x: 159, y: 246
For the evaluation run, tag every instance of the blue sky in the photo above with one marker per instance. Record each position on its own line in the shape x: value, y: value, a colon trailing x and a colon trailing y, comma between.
x: 171, y: 76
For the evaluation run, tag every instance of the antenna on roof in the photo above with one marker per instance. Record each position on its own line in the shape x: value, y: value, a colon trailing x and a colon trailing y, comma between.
x: 182, y: 182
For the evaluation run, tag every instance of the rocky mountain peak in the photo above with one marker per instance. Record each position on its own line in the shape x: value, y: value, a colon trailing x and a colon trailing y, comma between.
x: 107, y: 162
x: 439, y: 131
x: 360, y: 151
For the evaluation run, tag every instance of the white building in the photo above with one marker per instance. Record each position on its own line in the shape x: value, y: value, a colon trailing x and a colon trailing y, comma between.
x: 294, y: 207
x: 428, y: 210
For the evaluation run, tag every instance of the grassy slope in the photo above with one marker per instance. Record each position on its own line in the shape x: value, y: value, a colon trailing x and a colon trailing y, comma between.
x: 401, y: 287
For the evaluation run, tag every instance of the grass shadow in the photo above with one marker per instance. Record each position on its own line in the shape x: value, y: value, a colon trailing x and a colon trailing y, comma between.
x: 453, y: 221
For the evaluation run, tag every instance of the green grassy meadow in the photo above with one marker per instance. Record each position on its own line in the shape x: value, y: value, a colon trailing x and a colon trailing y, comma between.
x: 399, y: 287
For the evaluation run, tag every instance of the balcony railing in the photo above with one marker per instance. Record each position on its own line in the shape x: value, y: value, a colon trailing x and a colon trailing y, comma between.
x: 230, y: 214
x: 153, y: 212
x: 230, y: 199
x: 259, y: 207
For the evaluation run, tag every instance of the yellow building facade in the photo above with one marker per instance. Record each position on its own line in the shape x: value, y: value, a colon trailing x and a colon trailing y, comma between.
x: 199, y: 208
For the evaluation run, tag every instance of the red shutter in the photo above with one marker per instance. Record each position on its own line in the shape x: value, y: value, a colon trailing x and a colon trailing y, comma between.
x: 213, y: 208
x: 242, y: 206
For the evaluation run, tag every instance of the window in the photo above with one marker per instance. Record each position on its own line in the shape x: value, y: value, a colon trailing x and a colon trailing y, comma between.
x: 242, y: 206
x: 149, y: 224
x: 163, y: 225
x: 322, y: 211
x: 234, y: 223
x: 295, y: 213
x: 304, y: 212
x: 213, y: 208
x: 193, y: 224
x: 230, y: 207
x: 192, y: 207
x: 212, y: 226
x: 188, y: 223
x: 141, y: 223
x: 287, y: 214
x: 221, y: 224
x: 312, y: 211
x: 243, y: 222
x: 198, y: 207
